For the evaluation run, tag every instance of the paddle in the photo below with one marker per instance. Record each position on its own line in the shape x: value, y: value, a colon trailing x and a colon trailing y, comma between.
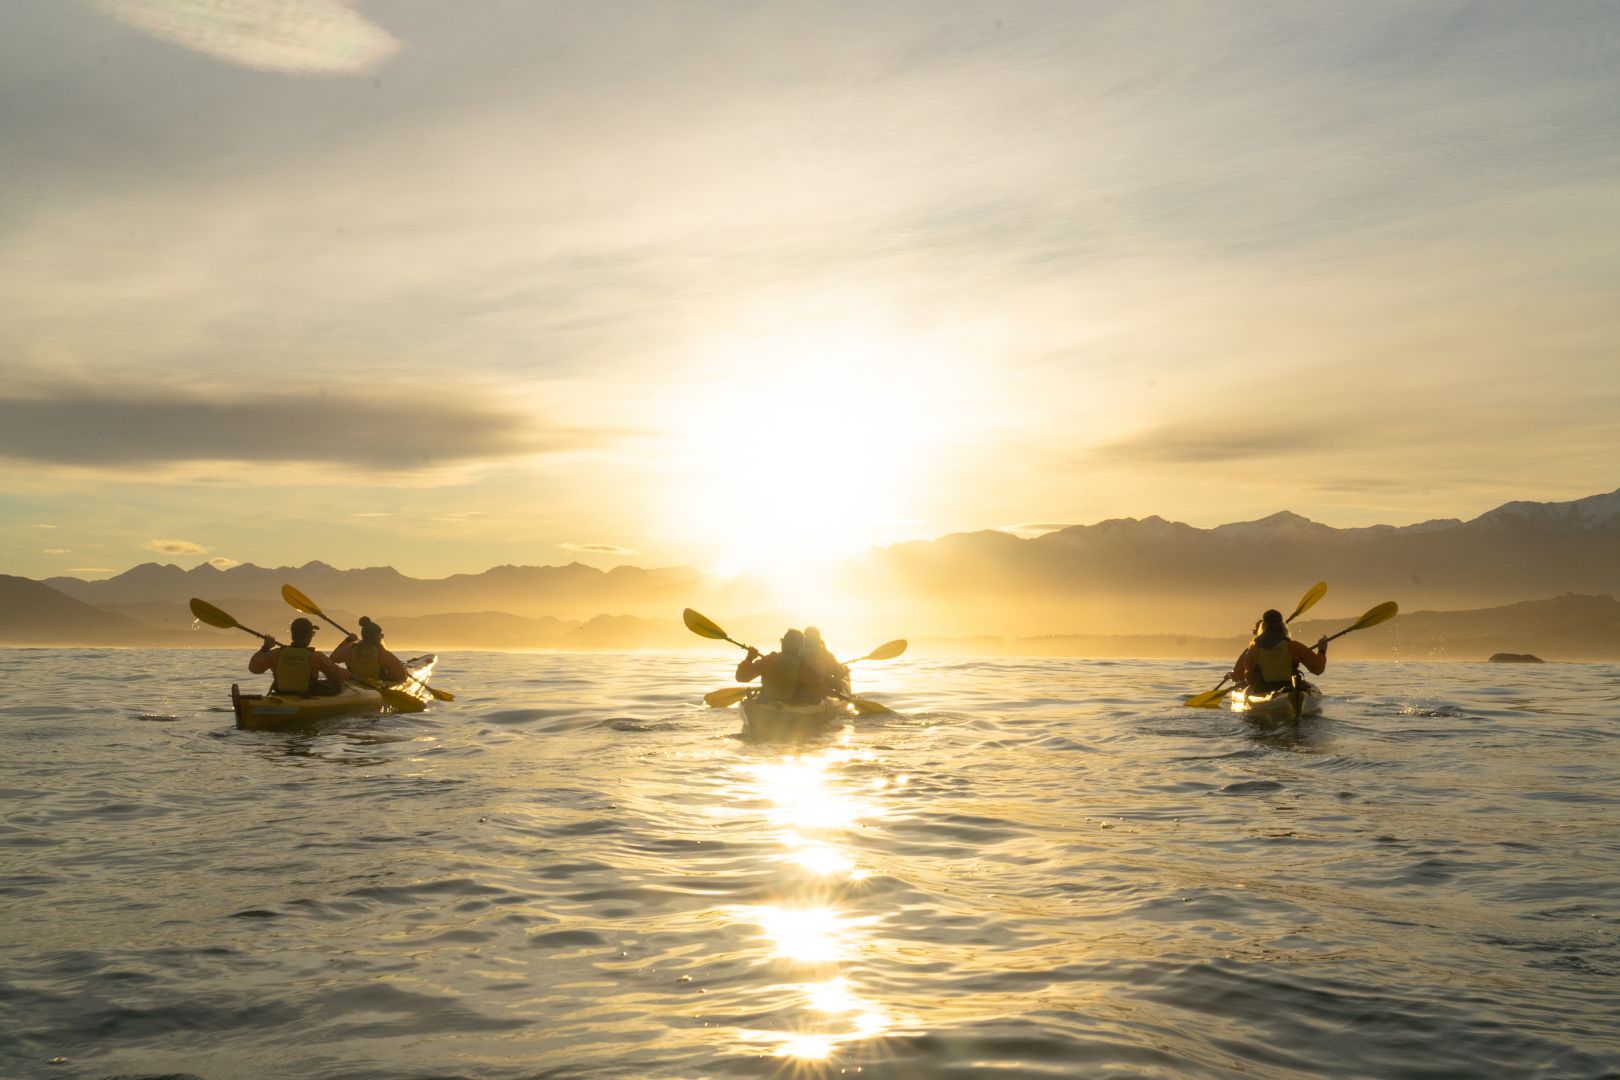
x: 1382, y: 613
x: 726, y: 696
x: 399, y: 700
x: 703, y: 626
x: 1308, y: 601
x: 887, y: 651
x: 1210, y: 699
x: 706, y: 627
x: 300, y: 602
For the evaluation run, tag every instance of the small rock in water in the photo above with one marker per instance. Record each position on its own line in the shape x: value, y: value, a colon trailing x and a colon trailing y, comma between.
x: 1516, y: 658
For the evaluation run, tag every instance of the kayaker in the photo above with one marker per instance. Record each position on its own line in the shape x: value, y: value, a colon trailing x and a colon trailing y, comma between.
x: 1273, y: 658
x: 784, y: 676
x: 367, y: 658
x: 825, y: 664
x: 299, y: 669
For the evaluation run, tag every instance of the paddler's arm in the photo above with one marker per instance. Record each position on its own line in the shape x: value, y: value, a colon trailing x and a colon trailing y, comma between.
x: 1315, y: 660
x: 340, y: 654
x: 323, y: 666
x: 263, y: 660
x: 751, y: 666
x: 1240, y: 669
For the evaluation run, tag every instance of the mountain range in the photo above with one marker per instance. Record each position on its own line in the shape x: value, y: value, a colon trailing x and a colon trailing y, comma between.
x: 1111, y: 581
x: 1129, y: 576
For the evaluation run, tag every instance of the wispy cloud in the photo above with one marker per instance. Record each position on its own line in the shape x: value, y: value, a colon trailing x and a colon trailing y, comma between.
x: 175, y: 547
x: 72, y: 426
x: 220, y: 562
x: 293, y: 37
x: 599, y: 549
x: 1198, y: 442
x: 56, y: 551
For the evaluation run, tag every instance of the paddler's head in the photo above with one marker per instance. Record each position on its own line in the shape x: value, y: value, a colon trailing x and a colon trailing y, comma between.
x: 302, y: 631
x: 370, y: 632
x: 812, y: 637
x: 793, y: 643
x: 1270, y: 629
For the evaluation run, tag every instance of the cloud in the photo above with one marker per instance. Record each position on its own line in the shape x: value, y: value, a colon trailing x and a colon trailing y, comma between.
x: 123, y: 430
x: 175, y: 547
x: 56, y: 551
x: 220, y: 562
x: 599, y: 549
x: 293, y: 37
x: 1204, y: 442
x: 37, y: 525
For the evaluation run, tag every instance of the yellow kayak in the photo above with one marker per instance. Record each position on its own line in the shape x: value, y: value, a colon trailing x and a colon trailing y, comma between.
x: 1286, y: 703
x: 261, y: 711
x: 773, y: 722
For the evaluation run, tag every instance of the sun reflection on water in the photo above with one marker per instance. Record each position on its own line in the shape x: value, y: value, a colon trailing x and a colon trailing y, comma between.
x: 811, y: 805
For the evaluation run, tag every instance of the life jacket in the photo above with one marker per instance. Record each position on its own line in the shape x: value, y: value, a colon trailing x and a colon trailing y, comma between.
x: 365, y: 661
x: 781, y: 678
x: 295, y: 670
x: 1274, y: 665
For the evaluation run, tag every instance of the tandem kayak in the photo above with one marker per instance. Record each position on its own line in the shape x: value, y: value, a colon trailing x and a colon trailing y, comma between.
x: 262, y: 711
x: 772, y: 722
x: 1286, y: 703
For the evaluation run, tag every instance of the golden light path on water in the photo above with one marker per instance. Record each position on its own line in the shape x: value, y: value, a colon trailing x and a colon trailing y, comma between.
x: 808, y: 934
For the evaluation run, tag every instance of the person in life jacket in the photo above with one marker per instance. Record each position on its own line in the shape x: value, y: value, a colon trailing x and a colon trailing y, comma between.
x: 1273, y: 658
x: 367, y: 659
x: 298, y: 668
x: 785, y: 678
x: 825, y: 664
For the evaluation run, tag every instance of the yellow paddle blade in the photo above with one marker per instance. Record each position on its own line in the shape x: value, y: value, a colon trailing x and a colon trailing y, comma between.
x: 725, y: 696
x: 398, y: 700
x: 301, y: 602
x: 438, y: 695
x: 701, y: 626
x: 866, y: 707
x: 208, y: 613
x: 1382, y: 613
x: 887, y: 651
x: 1308, y: 601
x: 1209, y: 699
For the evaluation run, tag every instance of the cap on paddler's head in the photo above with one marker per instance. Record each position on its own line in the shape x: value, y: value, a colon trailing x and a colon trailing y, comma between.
x: 302, y: 628
x: 1272, y: 617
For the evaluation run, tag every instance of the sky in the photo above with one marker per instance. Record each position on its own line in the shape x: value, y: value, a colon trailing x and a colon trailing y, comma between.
x: 741, y: 284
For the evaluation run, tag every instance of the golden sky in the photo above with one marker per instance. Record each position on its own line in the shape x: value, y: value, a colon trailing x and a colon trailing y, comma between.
x: 448, y: 286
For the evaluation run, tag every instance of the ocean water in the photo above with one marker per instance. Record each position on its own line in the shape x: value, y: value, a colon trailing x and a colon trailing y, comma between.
x: 1033, y: 868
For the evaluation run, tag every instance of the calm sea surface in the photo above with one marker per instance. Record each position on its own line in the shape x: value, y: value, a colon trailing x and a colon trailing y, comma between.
x: 1036, y: 868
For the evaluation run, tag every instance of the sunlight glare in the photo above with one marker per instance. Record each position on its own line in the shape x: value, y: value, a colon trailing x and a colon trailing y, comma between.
x: 808, y: 443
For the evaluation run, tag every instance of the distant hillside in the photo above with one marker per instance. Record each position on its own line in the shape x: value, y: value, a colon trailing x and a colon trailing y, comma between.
x: 35, y: 614
x: 1139, y: 577
x: 1130, y: 584
x: 574, y: 591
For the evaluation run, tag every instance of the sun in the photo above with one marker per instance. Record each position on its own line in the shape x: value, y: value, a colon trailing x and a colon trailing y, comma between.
x: 802, y: 447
